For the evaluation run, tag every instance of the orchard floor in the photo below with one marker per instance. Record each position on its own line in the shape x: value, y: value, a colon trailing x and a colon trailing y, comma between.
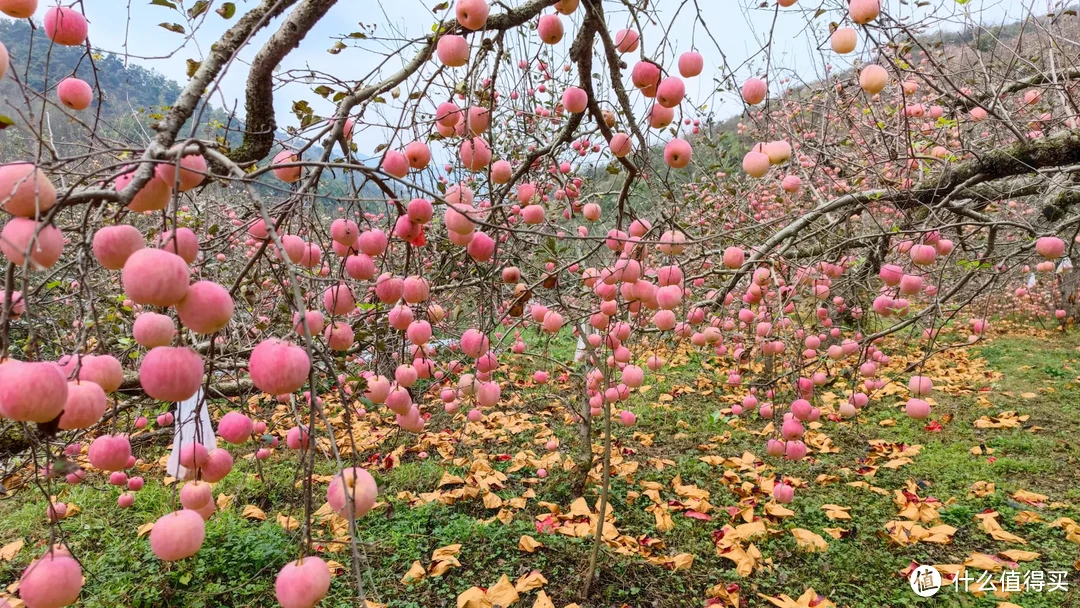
x: 693, y: 524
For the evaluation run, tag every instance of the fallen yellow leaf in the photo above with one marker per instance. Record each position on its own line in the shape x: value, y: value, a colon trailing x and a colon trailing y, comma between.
x: 224, y: 501
x: 143, y: 529
x: 784, y: 601
x: 808, y: 540
x: 445, y: 552
x: 531, y: 581
x: 1018, y: 555
x: 253, y: 512
x: 543, y: 601
x: 529, y: 544
x: 982, y: 561
x: 416, y: 573
x: 289, y: 523
x: 10, y: 550
x: 682, y: 561
x: 473, y: 597
x: 503, y: 593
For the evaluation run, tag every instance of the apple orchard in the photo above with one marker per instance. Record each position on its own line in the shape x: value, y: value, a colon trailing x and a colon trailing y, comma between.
x: 543, y: 172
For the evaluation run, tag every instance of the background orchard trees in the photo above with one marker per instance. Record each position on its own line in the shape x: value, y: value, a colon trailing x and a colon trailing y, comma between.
x: 482, y: 183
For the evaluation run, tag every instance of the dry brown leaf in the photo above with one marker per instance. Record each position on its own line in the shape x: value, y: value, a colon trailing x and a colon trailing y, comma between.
x: 503, y: 593
x: 809, y: 541
x: 253, y: 512
x: 10, y: 550
x: 416, y: 573
x: 529, y: 544
x: 145, y: 528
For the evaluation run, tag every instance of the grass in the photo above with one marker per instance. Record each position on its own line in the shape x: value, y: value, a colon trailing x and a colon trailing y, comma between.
x: 1040, y: 378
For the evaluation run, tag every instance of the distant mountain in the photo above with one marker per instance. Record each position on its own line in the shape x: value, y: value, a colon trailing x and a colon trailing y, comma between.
x: 131, y: 99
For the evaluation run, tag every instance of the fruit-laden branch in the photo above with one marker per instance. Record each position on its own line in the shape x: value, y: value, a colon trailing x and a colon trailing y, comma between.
x: 231, y: 388
x: 1021, y: 159
x: 976, y: 100
x: 500, y: 22
x: 260, y: 122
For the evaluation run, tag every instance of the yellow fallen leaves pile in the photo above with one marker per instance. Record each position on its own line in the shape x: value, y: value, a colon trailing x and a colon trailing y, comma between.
x: 504, y: 593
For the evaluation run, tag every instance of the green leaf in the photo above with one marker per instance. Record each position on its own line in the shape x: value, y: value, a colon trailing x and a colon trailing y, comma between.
x: 5, y: 122
x: 199, y: 8
x: 323, y: 91
x: 358, y: 35
x: 164, y: 3
x: 173, y: 27
x: 227, y: 10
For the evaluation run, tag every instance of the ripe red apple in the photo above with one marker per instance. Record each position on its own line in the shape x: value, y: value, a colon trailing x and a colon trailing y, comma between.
x: 75, y: 93
x: 155, y: 277
x: 691, y: 64
x: 19, y: 9
x: 302, y: 583
x: 452, y: 51
x: 65, y: 26
x: 278, y: 368
x: 32, y: 392
x: 354, y: 484
x: 45, y: 244
x: 177, y: 535
x: 25, y: 190
x: 171, y: 373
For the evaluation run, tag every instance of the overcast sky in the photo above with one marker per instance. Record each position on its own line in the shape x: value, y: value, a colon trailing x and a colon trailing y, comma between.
x: 740, y: 31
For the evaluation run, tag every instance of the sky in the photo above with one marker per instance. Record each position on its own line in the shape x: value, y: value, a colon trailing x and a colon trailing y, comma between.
x: 798, y: 41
